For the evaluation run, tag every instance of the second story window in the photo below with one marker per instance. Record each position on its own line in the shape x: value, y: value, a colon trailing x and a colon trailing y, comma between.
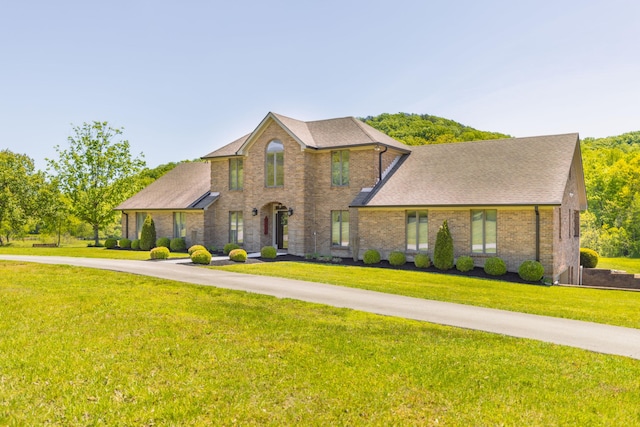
x: 340, y: 168
x: 275, y: 164
x: 236, y: 174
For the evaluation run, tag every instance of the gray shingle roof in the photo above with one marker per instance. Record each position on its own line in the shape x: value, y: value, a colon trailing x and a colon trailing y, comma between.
x: 321, y: 134
x: 187, y: 186
x: 516, y: 171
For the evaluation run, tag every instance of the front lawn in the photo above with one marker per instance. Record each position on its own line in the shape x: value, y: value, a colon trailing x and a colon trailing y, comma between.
x: 81, y: 251
x: 611, y: 307
x: 88, y: 347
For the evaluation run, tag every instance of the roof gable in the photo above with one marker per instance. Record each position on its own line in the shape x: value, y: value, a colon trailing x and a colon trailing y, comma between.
x: 516, y: 171
x: 321, y: 134
x: 187, y: 186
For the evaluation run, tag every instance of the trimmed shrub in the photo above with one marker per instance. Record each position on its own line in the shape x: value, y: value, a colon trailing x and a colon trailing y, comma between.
x: 531, y: 271
x: 229, y: 247
x: 165, y: 242
x: 371, y: 256
x: 135, y: 244
x: 159, y: 252
x: 268, y: 252
x: 201, y: 257
x: 125, y: 243
x: 495, y: 266
x: 397, y: 258
x: 238, y: 255
x: 178, y: 245
x: 194, y: 248
x: 148, y: 234
x: 443, y: 251
x: 422, y: 261
x: 588, y: 258
x: 110, y: 243
x: 464, y: 264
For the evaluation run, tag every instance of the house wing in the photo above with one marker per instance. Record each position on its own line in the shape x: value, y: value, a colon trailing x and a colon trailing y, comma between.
x: 187, y: 186
x: 516, y: 171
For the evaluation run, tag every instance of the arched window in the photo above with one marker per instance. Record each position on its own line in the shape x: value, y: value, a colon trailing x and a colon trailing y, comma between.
x: 275, y: 164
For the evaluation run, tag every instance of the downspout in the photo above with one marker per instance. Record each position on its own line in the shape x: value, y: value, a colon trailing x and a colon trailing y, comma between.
x: 126, y: 221
x: 537, y: 233
x: 380, y: 153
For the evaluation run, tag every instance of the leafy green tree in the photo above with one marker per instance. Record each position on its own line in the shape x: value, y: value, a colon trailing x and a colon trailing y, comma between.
x: 20, y: 185
x: 96, y: 173
x: 443, y: 251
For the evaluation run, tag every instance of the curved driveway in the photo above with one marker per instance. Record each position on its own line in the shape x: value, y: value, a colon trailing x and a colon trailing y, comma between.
x: 586, y: 335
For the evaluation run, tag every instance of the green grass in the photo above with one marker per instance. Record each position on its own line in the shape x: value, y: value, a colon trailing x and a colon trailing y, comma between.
x: 77, y: 250
x: 610, y: 307
x: 87, y: 347
x: 630, y: 265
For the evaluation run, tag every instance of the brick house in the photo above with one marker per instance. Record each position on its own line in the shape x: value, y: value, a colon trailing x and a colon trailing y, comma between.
x: 339, y: 187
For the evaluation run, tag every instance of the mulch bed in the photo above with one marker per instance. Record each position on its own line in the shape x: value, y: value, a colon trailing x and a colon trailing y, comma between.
x: 409, y: 266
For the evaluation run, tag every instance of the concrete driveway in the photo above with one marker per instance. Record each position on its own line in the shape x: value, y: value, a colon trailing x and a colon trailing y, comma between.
x: 586, y: 335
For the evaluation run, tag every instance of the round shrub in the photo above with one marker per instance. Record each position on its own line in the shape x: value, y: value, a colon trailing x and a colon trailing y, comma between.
x: 464, y: 263
x: 165, y: 242
x: 110, y: 243
x: 125, y: 243
x: 531, y: 271
x: 443, y: 251
x: 178, y: 245
x: 159, y: 252
x: 229, y: 247
x: 495, y: 266
x: 201, y: 257
x: 135, y: 244
x: 371, y: 256
x: 268, y: 252
x: 588, y: 258
x: 194, y: 248
x: 422, y: 261
x: 397, y: 258
x: 238, y: 255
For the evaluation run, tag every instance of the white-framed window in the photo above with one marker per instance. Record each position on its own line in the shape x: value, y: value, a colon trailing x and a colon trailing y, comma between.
x: 179, y: 224
x: 140, y: 217
x: 340, y: 168
x: 417, y: 231
x: 484, y: 231
x: 236, y: 227
x: 340, y: 228
x: 274, y: 168
x: 236, y: 174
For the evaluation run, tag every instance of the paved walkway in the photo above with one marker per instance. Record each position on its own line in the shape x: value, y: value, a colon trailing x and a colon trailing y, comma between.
x: 586, y: 335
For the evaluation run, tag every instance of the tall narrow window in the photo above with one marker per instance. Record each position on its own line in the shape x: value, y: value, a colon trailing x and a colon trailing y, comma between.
x: 236, y: 174
x: 417, y: 231
x: 340, y: 228
x: 275, y: 164
x: 484, y: 231
x: 179, y: 224
x: 236, y: 228
x: 576, y: 223
x: 140, y: 217
x: 340, y: 168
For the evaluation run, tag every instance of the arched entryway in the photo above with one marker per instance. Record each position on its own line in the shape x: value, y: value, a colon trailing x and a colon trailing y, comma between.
x: 275, y: 226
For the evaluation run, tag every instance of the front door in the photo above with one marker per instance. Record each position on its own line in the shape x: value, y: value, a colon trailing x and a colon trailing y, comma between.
x: 282, y: 229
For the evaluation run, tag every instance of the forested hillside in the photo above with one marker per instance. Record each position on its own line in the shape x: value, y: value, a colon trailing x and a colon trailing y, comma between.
x: 611, y: 225
x: 421, y: 129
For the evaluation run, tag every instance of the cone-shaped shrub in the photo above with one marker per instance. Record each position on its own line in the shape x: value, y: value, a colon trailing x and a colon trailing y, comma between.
x: 148, y: 234
x: 443, y: 251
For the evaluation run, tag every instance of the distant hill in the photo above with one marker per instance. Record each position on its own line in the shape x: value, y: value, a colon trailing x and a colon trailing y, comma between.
x: 423, y: 129
x: 629, y: 141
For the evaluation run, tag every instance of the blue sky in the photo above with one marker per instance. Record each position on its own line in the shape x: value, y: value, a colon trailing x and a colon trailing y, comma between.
x: 184, y: 78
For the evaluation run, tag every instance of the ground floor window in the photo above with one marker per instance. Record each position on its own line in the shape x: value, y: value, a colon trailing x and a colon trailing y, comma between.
x: 236, y: 228
x: 140, y: 217
x: 417, y: 231
x: 484, y: 231
x: 340, y: 228
x: 179, y: 224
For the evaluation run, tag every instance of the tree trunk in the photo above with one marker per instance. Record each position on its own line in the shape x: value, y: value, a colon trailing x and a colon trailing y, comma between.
x: 96, y: 239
